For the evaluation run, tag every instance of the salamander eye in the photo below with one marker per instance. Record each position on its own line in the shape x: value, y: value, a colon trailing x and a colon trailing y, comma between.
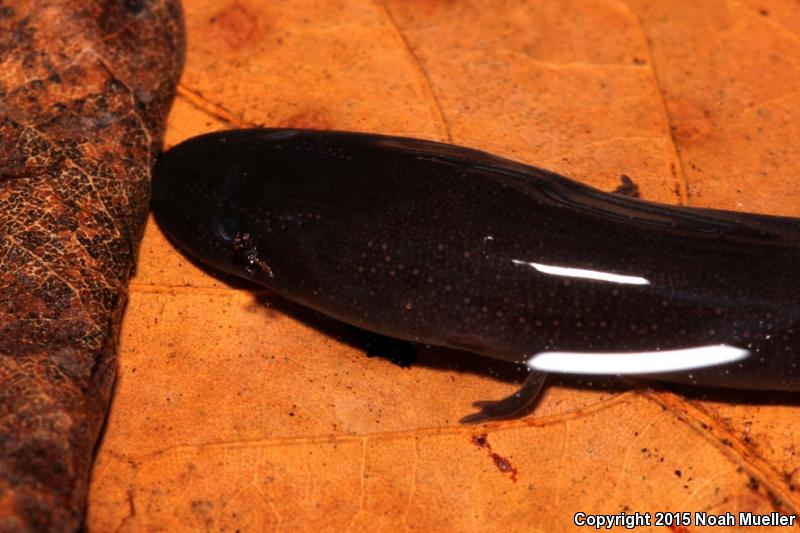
x: 225, y: 227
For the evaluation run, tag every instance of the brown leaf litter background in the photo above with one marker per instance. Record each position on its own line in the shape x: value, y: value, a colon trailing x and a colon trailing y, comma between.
x: 85, y: 88
x: 232, y: 413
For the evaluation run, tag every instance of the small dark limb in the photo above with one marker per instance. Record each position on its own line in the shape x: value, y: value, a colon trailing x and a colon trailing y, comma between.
x: 511, y: 407
x: 402, y: 353
x: 627, y: 187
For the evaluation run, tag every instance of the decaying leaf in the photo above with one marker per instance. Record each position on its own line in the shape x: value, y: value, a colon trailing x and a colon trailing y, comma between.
x: 85, y: 87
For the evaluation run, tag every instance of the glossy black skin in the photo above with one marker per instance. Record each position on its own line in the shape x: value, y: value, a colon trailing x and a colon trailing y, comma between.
x: 423, y: 241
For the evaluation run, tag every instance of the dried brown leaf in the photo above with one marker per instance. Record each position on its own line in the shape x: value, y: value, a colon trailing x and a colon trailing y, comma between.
x: 84, y: 92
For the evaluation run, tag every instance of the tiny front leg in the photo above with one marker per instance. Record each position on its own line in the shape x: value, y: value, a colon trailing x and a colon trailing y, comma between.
x: 512, y: 406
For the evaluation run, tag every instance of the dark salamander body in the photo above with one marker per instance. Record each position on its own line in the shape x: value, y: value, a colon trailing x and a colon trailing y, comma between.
x: 449, y: 246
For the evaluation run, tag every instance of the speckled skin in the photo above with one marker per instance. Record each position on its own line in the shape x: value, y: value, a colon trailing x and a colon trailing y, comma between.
x: 433, y: 243
x: 85, y: 86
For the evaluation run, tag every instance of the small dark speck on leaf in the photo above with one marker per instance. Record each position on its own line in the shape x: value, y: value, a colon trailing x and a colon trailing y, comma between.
x: 774, y: 500
x: 627, y: 187
x: 500, y: 462
x: 134, y: 7
x: 480, y: 440
x: 678, y: 473
x: 504, y: 466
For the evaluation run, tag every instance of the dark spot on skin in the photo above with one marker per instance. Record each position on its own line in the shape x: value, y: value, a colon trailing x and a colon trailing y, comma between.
x: 753, y: 484
x: 678, y: 473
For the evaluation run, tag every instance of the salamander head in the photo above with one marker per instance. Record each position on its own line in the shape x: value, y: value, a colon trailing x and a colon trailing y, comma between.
x: 197, y: 201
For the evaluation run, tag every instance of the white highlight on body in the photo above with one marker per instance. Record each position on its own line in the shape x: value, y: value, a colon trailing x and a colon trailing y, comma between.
x: 622, y: 363
x: 572, y: 272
